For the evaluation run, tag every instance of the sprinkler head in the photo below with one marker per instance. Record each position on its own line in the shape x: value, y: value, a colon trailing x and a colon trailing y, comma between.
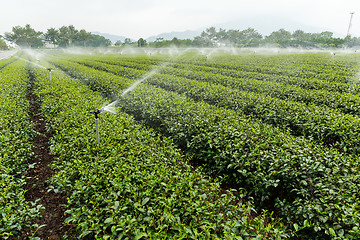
x: 49, y: 69
x: 97, y: 112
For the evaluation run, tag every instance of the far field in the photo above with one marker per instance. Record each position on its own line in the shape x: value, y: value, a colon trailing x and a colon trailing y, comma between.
x: 193, y: 144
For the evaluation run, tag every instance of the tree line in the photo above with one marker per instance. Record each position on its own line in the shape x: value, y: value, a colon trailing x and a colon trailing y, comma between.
x: 69, y: 36
x: 249, y: 37
x: 65, y: 36
x: 282, y: 38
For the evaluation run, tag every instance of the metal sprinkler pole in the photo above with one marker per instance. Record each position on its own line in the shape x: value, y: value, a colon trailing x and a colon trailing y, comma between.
x: 97, y: 112
x: 97, y: 131
x: 49, y: 69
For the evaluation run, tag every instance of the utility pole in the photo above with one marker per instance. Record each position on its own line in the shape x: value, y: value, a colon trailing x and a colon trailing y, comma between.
x: 351, y: 16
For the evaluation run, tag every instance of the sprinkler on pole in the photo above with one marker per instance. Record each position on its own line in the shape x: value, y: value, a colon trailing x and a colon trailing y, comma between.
x: 49, y: 69
x: 96, y: 112
x: 108, y: 108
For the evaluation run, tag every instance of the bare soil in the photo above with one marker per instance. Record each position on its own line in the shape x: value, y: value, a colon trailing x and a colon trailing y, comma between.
x: 53, y: 212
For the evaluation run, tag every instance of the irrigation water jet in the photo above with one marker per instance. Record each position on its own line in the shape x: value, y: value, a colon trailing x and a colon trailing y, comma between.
x: 108, y: 108
x: 136, y: 83
x: 31, y: 62
x: 112, y: 106
x: 38, y: 65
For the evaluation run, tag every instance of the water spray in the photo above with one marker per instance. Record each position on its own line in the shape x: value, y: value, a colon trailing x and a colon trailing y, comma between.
x: 108, y: 108
x: 38, y: 65
x: 111, y: 108
x: 31, y: 62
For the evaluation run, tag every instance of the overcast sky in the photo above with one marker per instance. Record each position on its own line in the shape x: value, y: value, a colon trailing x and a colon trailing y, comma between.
x: 141, y: 18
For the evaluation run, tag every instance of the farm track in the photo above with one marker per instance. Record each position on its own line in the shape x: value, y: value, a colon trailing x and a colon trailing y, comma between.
x: 53, y: 212
x: 7, y: 54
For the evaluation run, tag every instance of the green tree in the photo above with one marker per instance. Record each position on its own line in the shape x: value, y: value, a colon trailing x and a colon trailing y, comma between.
x: 326, y: 35
x: 302, y: 39
x: 251, y: 37
x: 245, y: 38
x: 159, y: 42
x: 3, y: 45
x: 84, y: 36
x: 186, y: 42
x: 72, y: 34
x: 52, y: 35
x: 68, y: 35
x: 201, y: 41
x: 351, y: 41
x: 234, y: 37
x: 208, y: 37
x: 175, y: 42
x: 98, y: 41
x: 24, y: 36
x: 64, y: 35
x: 127, y: 41
x: 37, y: 43
x: 210, y: 33
x: 326, y: 39
x: 118, y: 43
x: 281, y: 37
x: 220, y: 36
x: 141, y: 42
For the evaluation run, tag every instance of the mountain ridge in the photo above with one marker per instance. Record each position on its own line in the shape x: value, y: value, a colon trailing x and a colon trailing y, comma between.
x: 111, y: 37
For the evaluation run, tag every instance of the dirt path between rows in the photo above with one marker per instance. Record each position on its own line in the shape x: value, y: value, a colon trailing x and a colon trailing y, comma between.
x: 53, y: 215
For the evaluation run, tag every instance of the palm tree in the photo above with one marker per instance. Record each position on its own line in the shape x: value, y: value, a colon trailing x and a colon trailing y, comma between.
x: 64, y: 35
x: 73, y: 33
x: 84, y: 36
x: 52, y: 35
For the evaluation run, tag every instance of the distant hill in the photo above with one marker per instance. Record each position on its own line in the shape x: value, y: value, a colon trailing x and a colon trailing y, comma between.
x: 189, y: 34
x: 111, y: 37
x: 166, y: 36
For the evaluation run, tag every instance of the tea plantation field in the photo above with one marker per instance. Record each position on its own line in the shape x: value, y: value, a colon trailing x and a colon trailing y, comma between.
x: 224, y: 146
